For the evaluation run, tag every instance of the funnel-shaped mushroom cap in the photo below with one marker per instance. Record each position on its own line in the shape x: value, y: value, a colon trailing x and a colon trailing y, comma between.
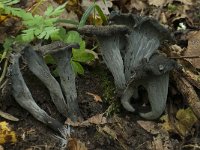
x: 67, y: 78
x: 109, y: 38
x: 23, y: 96
x: 38, y: 66
x: 142, y: 42
x: 144, y: 39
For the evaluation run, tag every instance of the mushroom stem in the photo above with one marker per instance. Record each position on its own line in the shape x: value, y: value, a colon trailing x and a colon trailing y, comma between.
x: 37, y: 65
x: 67, y: 77
x: 109, y: 47
x: 110, y: 43
x: 23, y: 96
x: 157, y: 88
x: 142, y: 43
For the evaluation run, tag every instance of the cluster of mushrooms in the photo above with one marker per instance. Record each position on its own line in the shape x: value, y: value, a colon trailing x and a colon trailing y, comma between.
x: 129, y: 47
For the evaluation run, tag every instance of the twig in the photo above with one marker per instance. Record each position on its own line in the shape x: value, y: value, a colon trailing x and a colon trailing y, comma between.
x: 182, y: 57
x: 4, y: 71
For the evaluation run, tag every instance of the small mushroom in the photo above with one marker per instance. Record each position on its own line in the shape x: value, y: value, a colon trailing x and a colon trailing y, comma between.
x: 145, y: 37
x: 23, y: 96
x: 154, y: 77
x: 37, y: 65
x: 67, y: 77
x: 110, y: 43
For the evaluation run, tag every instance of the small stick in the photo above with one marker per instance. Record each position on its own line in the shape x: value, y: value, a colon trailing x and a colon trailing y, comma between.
x: 182, y: 57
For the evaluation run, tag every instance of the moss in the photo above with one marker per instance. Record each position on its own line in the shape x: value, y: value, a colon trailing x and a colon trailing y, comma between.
x: 109, y: 90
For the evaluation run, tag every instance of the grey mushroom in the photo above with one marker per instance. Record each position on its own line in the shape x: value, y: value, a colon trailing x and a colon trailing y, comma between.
x: 142, y: 43
x: 110, y: 43
x: 37, y: 65
x: 67, y: 78
x: 23, y: 96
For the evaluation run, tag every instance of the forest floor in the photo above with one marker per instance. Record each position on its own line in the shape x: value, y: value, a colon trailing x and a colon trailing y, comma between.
x: 107, y: 125
x: 34, y: 135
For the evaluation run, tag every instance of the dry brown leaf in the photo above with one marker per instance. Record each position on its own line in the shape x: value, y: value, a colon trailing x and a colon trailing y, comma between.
x: 8, y: 116
x: 157, y: 3
x: 97, y: 120
x: 96, y: 97
x: 137, y: 4
x: 109, y: 131
x: 186, y: 2
x: 75, y: 144
x: 149, y: 126
x: 193, y: 48
x: 1, y: 147
x: 6, y: 134
x: 176, y: 50
x: 157, y: 143
x: 163, y: 18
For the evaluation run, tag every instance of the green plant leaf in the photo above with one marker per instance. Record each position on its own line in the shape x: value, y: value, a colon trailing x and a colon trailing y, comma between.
x: 59, y: 35
x: 49, y: 59
x: 77, y: 67
x: 49, y: 11
x: 27, y: 35
x: 101, y: 14
x: 7, y: 47
x: 58, y: 10
x: 72, y: 37
x: 9, y: 2
x: 67, y: 21
x: 82, y: 56
x: 86, y: 15
x: 35, y: 21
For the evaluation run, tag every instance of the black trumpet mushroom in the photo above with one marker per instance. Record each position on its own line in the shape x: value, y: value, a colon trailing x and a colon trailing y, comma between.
x: 38, y: 66
x: 23, y: 96
x: 65, y: 103
x: 110, y: 43
x: 144, y: 66
x: 67, y: 78
x: 129, y: 47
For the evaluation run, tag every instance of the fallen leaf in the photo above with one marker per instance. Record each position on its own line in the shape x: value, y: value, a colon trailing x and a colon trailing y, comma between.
x: 149, y: 126
x: 186, y: 2
x: 158, y: 3
x: 97, y: 120
x: 96, y: 97
x: 75, y: 144
x: 137, y: 4
x: 8, y: 116
x: 183, y: 122
x: 186, y: 117
x: 1, y: 147
x: 163, y: 18
x: 157, y: 143
x: 6, y: 134
x: 166, y: 125
x: 193, y: 48
x: 108, y: 131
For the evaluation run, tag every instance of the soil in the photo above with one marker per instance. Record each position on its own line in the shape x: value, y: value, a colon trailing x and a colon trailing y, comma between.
x: 33, y: 135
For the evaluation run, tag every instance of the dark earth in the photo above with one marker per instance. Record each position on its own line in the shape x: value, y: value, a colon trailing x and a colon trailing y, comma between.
x: 33, y: 135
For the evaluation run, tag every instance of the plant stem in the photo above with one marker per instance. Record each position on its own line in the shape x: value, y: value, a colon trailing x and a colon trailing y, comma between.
x: 4, y: 71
